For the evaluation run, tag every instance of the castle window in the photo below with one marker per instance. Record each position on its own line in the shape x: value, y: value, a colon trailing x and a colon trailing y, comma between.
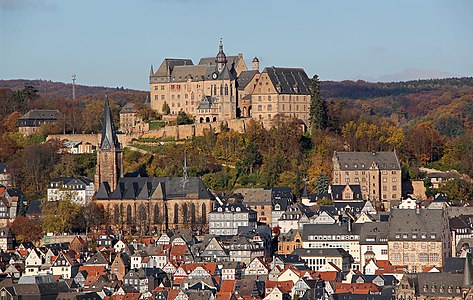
x: 226, y: 90
x: 176, y: 213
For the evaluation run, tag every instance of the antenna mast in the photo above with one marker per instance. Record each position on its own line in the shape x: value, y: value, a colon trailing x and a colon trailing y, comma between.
x: 73, y: 86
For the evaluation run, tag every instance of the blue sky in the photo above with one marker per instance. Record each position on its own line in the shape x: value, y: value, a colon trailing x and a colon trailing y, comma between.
x: 114, y: 42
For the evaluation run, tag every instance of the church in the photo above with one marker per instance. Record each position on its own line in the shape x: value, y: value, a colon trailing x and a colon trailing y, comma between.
x: 146, y: 203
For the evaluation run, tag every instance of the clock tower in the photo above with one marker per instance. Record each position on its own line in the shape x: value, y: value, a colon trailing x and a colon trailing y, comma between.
x: 221, y: 59
x: 109, y: 153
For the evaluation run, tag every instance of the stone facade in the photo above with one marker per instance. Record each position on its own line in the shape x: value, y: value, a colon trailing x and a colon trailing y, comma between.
x: 222, y: 88
x: 109, y: 154
x: 418, y: 238
x: 378, y: 174
x: 131, y: 121
x: 31, y: 122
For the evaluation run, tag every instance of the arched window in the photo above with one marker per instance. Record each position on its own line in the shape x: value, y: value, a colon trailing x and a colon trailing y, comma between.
x: 214, y: 119
x: 204, y: 213
x: 157, y: 217
x: 226, y: 89
x: 128, y: 214
x: 215, y: 90
x: 207, y: 120
x: 192, y: 213
x: 142, y: 213
x: 184, y: 213
x: 231, y: 89
x: 116, y: 214
x: 176, y: 213
x: 221, y: 89
x: 192, y: 96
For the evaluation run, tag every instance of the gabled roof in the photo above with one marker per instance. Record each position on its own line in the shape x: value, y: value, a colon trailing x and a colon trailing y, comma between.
x: 365, y: 160
x: 289, y: 80
x: 156, y: 187
x: 245, y: 77
x: 41, y: 114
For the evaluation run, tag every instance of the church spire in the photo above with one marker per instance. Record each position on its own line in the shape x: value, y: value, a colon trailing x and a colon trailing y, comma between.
x: 109, y: 136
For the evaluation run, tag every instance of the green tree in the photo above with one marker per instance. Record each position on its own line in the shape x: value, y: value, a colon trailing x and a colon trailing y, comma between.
x: 166, y: 109
x: 60, y: 216
x: 317, y: 109
x: 184, y: 119
x: 321, y: 184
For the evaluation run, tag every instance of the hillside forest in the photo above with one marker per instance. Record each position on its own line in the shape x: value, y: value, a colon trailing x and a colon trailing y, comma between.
x: 429, y: 123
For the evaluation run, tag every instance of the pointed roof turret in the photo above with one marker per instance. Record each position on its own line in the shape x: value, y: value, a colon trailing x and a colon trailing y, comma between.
x: 151, y: 71
x: 109, y: 136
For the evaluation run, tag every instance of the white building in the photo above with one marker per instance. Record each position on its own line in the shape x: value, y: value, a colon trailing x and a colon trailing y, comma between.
x: 77, y: 190
x: 345, y: 236
x: 226, y: 219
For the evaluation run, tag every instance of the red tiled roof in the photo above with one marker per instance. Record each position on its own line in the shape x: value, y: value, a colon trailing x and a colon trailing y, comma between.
x: 356, y: 288
x: 284, y: 286
x: 223, y: 295
x: 94, y: 270
x: 227, y: 286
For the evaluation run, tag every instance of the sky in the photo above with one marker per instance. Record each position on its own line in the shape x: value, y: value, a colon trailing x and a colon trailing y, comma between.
x: 114, y: 42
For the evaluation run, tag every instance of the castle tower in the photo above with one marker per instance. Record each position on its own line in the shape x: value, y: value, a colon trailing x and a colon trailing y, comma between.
x: 221, y: 58
x: 109, y: 154
x: 255, y: 64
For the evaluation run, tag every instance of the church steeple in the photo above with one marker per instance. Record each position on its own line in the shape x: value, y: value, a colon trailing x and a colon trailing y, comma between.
x: 109, y: 153
x: 109, y: 136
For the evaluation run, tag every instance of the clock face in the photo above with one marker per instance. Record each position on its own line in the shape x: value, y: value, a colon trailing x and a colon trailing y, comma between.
x: 215, y: 75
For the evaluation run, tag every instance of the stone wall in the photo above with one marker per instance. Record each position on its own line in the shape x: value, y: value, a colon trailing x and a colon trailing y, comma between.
x: 94, y: 139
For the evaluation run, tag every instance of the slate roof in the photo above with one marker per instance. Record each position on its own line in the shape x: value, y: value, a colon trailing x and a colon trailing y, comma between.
x: 130, y: 107
x: 232, y: 207
x: 388, y: 279
x: 206, y: 102
x: 144, y: 188
x: 41, y: 114
x: 169, y: 64
x: 109, y: 137
x: 245, y: 77
x: 210, y: 61
x: 255, y: 196
x: 439, y: 280
x: 71, y: 183
x: 329, y: 229
x: 331, y: 252
x: 374, y: 233
x: 364, y: 160
x: 289, y: 80
x: 428, y: 222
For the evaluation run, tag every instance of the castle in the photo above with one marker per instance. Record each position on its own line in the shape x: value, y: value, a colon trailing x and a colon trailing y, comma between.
x: 222, y: 88
x: 145, y: 203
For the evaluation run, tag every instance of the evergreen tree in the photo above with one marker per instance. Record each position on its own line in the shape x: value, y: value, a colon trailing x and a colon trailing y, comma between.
x: 321, y: 184
x: 166, y: 109
x: 318, y: 109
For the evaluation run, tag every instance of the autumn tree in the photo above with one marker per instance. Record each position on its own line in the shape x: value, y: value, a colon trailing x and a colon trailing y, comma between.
x: 26, y: 230
x: 59, y: 216
x: 424, y: 143
x: 317, y: 109
x: 33, y: 165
